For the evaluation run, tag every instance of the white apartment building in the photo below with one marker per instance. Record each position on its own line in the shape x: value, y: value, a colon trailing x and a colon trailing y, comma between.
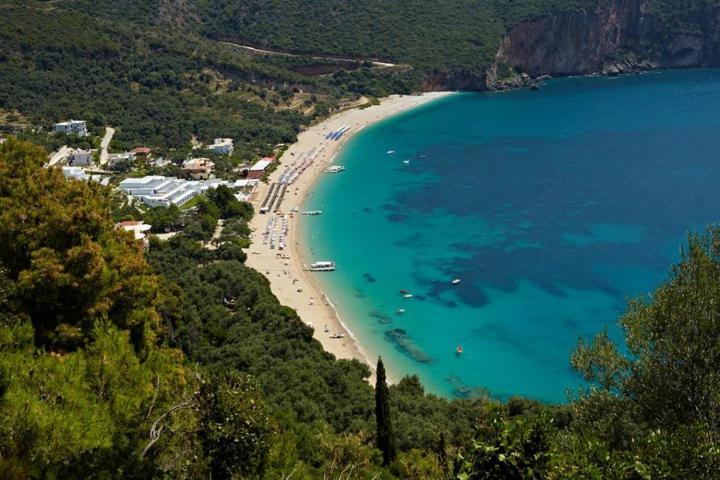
x: 76, y: 173
x: 159, y: 191
x: 115, y: 158
x: 78, y: 127
x: 81, y: 158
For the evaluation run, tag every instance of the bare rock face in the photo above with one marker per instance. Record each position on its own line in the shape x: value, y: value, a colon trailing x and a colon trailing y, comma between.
x: 618, y: 36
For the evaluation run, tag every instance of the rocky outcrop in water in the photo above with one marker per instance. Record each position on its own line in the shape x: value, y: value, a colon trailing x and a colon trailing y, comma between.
x: 618, y: 36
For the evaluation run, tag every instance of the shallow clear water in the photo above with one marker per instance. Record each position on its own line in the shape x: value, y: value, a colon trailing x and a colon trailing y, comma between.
x: 553, y: 207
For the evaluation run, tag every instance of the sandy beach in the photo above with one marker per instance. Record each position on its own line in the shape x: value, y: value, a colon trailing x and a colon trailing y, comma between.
x: 290, y: 281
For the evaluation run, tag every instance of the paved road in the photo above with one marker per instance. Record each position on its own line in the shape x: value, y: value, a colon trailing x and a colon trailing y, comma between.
x: 285, y: 54
x: 109, y: 132
x: 61, y: 154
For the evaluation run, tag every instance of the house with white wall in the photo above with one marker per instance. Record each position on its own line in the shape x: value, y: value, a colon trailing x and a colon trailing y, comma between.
x: 77, y: 127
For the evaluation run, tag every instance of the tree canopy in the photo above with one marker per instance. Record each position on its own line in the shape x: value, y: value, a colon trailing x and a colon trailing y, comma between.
x: 71, y: 267
x: 187, y: 366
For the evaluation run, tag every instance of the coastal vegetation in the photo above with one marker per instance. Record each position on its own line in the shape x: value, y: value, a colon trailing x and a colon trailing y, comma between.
x: 163, y: 73
x: 158, y: 86
x: 181, y: 363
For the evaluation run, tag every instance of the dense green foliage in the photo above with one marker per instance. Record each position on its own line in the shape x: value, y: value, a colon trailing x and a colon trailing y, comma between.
x: 83, y: 375
x: 159, y: 85
x: 235, y: 427
x: 181, y: 363
x: 161, y: 72
x: 194, y: 369
x: 427, y: 34
x: 155, y: 86
x: 71, y: 268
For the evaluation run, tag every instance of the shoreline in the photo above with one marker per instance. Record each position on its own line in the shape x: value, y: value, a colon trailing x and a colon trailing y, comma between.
x: 294, y: 286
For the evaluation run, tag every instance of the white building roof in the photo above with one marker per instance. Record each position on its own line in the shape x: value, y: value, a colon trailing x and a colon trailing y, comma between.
x: 244, y: 183
x: 141, y: 181
x: 261, y: 165
x: 221, y: 142
x: 198, y: 163
x: 138, y: 228
x: 74, y: 172
x: 80, y: 151
x: 160, y: 191
x: 70, y: 122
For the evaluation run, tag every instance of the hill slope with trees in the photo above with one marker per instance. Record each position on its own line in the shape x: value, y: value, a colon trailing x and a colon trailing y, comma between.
x: 161, y: 86
x: 463, y: 44
x: 184, y: 365
x: 162, y: 72
x: 179, y: 362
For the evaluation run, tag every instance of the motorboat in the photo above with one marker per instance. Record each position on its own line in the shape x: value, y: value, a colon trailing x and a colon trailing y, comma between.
x: 324, y: 266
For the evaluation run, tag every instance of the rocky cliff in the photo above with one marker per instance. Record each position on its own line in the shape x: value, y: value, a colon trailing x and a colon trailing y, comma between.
x: 617, y: 36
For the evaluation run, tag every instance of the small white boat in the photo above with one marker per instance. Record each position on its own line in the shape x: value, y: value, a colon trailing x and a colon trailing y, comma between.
x: 406, y: 162
x: 456, y: 281
x: 335, y: 169
x: 322, y: 266
x: 400, y: 311
x: 408, y: 295
x: 390, y: 152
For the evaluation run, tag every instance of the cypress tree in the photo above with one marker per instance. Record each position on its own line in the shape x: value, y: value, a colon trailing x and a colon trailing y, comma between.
x: 442, y: 453
x: 385, y: 434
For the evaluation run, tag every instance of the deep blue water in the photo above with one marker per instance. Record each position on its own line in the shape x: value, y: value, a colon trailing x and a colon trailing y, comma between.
x: 553, y: 207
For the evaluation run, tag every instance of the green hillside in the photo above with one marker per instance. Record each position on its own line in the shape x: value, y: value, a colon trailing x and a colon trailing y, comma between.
x: 456, y: 34
x: 179, y: 362
x: 159, y: 85
x: 184, y: 365
x: 159, y: 70
x: 428, y: 34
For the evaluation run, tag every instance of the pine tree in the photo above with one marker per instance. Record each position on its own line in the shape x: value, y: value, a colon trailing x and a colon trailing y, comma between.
x: 385, y: 434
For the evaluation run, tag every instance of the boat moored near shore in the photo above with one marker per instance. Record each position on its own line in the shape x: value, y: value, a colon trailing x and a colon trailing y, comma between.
x: 324, y: 266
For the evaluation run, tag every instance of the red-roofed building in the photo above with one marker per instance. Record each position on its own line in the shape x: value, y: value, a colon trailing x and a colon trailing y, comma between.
x: 142, y: 152
x: 258, y: 170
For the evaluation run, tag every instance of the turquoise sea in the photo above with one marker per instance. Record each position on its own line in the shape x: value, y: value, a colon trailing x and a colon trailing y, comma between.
x: 553, y: 207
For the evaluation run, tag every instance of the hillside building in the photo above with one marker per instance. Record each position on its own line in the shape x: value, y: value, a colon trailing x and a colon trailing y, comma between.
x: 198, y: 168
x: 223, y: 146
x: 258, y: 170
x: 77, y: 127
x: 81, y: 158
